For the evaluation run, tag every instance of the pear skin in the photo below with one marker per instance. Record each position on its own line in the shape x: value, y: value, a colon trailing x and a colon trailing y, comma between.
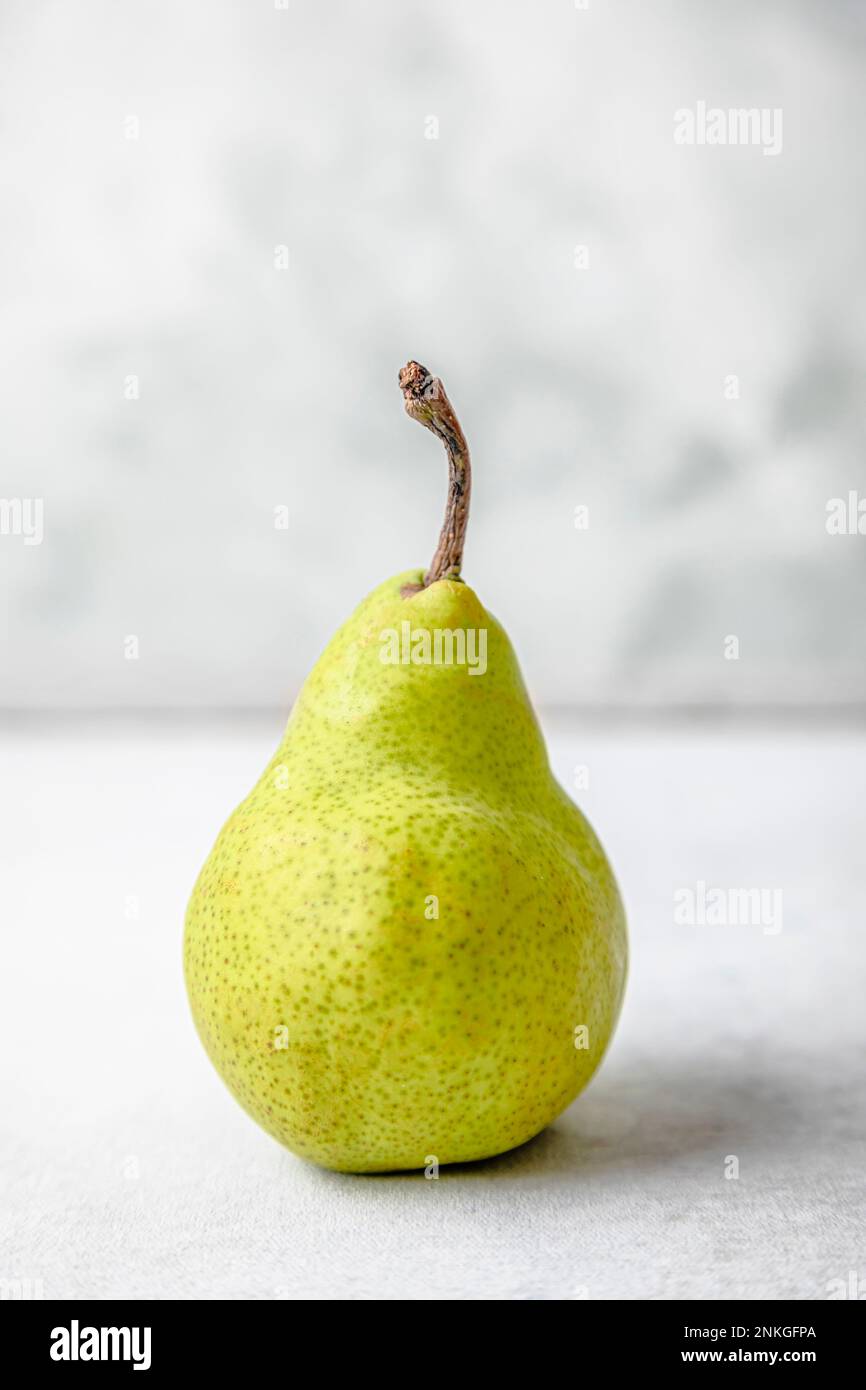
x: 407, y: 944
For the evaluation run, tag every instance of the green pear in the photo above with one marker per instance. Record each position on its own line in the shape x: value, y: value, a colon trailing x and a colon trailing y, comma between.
x: 407, y: 946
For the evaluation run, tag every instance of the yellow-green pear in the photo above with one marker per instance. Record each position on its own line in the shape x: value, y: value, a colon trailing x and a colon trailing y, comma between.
x: 407, y: 946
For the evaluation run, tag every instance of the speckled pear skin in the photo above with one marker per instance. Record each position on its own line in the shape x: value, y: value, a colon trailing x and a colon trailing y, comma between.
x: 357, y: 1029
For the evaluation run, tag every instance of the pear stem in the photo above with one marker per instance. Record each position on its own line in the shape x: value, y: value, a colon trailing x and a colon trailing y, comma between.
x: 426, y: 402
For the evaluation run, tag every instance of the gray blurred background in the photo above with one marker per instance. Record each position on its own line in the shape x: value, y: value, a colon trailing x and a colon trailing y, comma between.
x: 154, y: 159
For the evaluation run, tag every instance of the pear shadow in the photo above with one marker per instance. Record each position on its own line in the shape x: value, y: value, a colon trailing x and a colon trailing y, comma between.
x: 643, y: 1121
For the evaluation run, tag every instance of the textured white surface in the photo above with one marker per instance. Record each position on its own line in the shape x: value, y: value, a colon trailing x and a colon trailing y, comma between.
x: 127, y: 1170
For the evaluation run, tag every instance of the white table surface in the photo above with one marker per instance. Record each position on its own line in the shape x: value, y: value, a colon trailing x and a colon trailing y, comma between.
x: 128, y: 1171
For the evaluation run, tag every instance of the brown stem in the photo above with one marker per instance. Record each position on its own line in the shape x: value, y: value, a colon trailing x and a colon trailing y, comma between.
x: 427, y: 403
